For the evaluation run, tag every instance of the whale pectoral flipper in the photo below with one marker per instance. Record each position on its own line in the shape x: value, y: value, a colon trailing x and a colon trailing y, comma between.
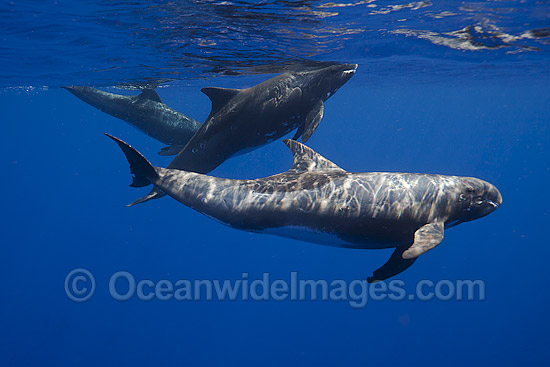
x: 395, y: 265
x: 299, y: 132
x: 171, y: 150
x: 425, y: 238
x: 313, y: 119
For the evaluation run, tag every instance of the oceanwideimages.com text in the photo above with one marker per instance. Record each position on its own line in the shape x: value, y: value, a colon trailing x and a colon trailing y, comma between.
x: 80, y: 286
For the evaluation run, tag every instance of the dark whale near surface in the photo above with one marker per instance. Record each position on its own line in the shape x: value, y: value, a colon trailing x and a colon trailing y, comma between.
x: 317, y: 201
x: 241, y: 120
x: 146, y: 112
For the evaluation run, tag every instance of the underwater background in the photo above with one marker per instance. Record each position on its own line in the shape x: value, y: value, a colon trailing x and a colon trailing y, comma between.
x: 448, y: 87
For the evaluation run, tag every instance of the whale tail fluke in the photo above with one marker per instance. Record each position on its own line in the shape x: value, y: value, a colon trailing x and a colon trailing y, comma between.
x: 143, y: 172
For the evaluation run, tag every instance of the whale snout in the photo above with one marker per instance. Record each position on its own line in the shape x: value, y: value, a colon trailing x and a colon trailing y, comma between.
x: 493, y: 196
x: 323, y: 83
x: 499, y: 199
x: 341, y: 74
x: 488, y: 201
x: 346, y: 71
x: 480, y: 198
x: 350, y: 68
x: 496, y: 203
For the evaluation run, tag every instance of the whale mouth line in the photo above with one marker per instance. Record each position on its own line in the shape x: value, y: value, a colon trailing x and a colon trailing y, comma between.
x: 350, y: 71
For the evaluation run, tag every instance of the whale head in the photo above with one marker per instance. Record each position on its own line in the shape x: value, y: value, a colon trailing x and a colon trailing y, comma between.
x: 475, y: 199
x: 322, y: 83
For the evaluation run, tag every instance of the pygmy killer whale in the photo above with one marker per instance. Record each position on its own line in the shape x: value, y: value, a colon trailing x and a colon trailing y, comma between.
x: 146, y: 112
x: 317, y: 201
x: 244, y: 119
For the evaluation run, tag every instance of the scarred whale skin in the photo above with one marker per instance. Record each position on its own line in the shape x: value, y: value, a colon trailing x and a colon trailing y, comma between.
x: 317, y: 201
x: 245, y: 119
x: 145, y: 112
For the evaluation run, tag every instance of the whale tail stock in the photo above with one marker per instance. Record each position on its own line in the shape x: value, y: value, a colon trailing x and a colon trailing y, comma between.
x: 143, y: 172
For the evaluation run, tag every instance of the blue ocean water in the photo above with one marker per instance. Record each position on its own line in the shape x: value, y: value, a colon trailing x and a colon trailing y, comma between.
x: 458, y: 88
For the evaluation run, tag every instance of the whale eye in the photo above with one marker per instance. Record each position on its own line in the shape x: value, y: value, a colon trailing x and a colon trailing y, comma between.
x: 478, y: 200
x: 462, y: 197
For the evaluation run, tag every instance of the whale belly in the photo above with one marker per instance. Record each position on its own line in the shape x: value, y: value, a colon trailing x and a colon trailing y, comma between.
x: 319, y: 237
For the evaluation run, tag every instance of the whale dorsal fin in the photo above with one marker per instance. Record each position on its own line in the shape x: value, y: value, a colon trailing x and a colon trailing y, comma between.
x: 150, y: 94
x: 306, y: 159
x: 219, y: 97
